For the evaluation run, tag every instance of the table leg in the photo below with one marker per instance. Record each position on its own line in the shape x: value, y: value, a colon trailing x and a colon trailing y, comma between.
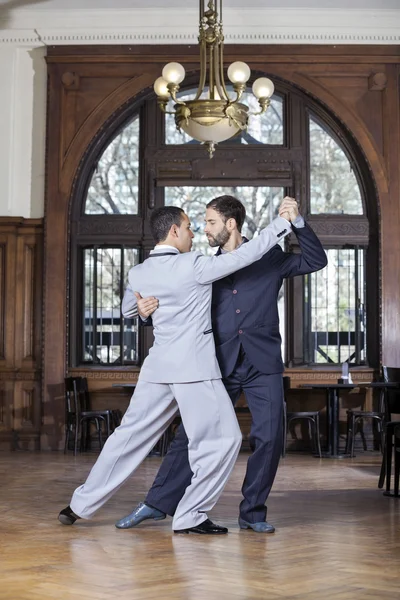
x: 333, y: 425
x: 389, y: 451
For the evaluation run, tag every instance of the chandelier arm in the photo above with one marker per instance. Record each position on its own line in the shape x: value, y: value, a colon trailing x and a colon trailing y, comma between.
x: 238, y: 91
x: 264, y: 103
x: 167, y: 112
x: 173, y: 88
x: 203, y: 69
x: 162, y: 103
x: 221, y: 71
x: 211, y: 79
x: 219, y: 76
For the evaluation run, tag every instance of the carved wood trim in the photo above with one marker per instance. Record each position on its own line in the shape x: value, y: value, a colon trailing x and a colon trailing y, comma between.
x: 130, y: 376
x: 320, y: 375
x: 26, y: 375
x: 336, y: 228
x: 108, y: 224
x: 377, y: 82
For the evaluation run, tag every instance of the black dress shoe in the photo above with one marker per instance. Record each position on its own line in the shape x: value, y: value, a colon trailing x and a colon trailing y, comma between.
x: 67, y: 516
x: 207, y: 527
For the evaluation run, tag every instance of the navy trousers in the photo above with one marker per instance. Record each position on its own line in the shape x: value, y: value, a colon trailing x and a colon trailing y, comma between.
x: 264, y: 396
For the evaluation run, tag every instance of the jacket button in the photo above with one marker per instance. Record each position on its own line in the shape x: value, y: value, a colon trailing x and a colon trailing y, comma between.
x: 234, y: 292
x: 238, y: 310
x: 240, y: 331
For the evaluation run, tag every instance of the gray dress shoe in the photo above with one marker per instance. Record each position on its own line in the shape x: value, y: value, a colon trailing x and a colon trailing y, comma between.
x: 140, y: 513
x: 261, y: 527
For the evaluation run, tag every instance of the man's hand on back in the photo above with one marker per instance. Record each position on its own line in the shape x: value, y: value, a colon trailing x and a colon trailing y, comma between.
x: 289, y: 209
x: 146, y: 306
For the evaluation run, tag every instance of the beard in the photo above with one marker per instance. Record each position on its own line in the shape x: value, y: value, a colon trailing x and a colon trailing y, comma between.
x: 220, y: 239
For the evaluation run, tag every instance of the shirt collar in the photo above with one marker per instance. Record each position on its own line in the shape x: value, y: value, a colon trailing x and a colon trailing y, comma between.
x: 165, y: 248
x: 222, y: 251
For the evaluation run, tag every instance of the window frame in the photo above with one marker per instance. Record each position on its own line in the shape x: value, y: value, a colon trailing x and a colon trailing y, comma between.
x: 308, y: 333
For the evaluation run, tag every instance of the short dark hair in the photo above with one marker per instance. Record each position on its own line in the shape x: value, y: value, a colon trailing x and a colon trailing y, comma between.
x: 162, y: 220
x: 229, y: 207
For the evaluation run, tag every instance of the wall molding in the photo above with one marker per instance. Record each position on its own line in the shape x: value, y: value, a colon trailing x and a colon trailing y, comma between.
x: 41, y: 27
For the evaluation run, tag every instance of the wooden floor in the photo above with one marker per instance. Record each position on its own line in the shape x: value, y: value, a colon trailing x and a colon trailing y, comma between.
x: 337, y: 537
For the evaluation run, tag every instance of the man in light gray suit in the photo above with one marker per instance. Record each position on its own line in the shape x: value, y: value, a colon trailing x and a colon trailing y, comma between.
x: 180, y: 372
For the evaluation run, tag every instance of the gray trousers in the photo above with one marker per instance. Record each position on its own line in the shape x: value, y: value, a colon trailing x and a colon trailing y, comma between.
x: 214, y: 442
x: 264, y: 395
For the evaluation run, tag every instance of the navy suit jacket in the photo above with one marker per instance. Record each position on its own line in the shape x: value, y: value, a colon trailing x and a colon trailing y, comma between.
x: 245, y: 304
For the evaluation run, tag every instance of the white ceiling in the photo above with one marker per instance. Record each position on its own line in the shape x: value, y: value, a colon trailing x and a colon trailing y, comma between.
x: 9, y: 5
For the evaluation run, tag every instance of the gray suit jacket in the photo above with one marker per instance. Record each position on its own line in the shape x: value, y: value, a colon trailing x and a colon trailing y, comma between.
x: 183, y: 349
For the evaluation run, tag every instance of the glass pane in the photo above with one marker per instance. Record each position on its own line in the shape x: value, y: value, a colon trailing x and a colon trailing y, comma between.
x: 337, y: 308
x: 263, y: 129
x: 261, y: 205
x: 361, y: 306
x: 114, y: 187
x: 333, y: 185
x: 88, y: 307
x: 130, y: 326
x: 105, y: 279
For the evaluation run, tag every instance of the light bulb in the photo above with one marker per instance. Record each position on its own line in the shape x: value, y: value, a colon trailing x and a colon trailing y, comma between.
x: 263, y: 87
x: 160, y: 87
x: 239, y: 72
x: 173, y: 73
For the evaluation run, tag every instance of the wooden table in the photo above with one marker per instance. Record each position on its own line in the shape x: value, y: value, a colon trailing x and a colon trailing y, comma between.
x: 332, y: 409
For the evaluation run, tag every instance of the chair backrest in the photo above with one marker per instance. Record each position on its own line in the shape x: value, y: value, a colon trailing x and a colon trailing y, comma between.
x: 77, y: 397
x: 83, y: 392
x: 392, y: 375
x: 70, y: 396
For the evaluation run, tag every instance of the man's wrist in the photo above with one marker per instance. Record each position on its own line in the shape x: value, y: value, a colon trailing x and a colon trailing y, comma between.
x: 298, y: 222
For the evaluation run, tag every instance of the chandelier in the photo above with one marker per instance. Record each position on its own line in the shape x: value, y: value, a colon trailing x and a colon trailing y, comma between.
x: 216, y: 117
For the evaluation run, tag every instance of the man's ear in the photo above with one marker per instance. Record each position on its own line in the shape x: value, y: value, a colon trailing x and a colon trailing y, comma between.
x: 174, y: 231
x: 231, y: 224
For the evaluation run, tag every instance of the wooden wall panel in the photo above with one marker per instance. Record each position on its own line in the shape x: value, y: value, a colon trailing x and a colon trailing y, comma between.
x: 8, y: 244
x: 2, y: 300
x: 21, y: 257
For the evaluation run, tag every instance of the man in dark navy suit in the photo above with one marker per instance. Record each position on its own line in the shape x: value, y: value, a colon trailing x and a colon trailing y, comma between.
x: 248, y: 345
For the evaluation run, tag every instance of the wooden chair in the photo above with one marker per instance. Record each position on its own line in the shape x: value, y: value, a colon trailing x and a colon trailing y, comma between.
x: 357, y: 417
x: 391, y: 431
x: 311, y: 416
x: 79, y: 415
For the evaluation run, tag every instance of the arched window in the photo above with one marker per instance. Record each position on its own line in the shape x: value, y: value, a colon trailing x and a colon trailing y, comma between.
x: 140, y: 161
x: 336, y: 295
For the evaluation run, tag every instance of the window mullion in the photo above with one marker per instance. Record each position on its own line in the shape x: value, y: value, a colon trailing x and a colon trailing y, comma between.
x: 95, y: 248
x: 121, y: 292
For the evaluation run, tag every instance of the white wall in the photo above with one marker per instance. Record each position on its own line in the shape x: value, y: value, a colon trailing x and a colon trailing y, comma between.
x: 22, y: 131
x: 25, y: 33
